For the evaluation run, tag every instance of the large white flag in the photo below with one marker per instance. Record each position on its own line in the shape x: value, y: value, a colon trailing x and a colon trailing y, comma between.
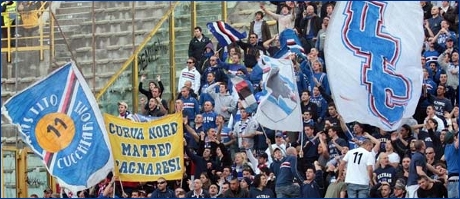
x: 279, y: 108
x: 373, y: 60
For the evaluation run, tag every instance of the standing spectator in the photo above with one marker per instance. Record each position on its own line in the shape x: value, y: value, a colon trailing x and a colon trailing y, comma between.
x: 190, y: 104
x: 310, y: 25
x: 337, y: 189
x: 285, y: 19
x: 150, y: 93
x: 426, y: 6
x: 259, y: 188
x: 399, y: 191
x: 279, y: 144
x: 313, y: 186
x: 219, y: 74
x: 321, y: 37
x: 245, y: 129
x: 307, y: 105
x: 30, y: 15
x: 444, y: 34
x: 198, y: 191
x: 235, y: 190
x: 9, y: 20
x: 123, y: 111
x: 417, y: 168
x: 385, y: 172
x: 285, y: 186
x: 162, y: 190
x: 209, y: 116
x: 430, y: 189
x: 260, y: 28
x: 197, y: 45
x: 224, y: 103
x: 451, y: 156
x: 359, y: 160
x: 190, y: 73
x: 435, y: 20
x: 155, y: 109
x: 251, y: 50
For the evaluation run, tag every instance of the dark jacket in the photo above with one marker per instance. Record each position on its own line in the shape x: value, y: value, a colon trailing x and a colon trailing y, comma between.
x: 167, y: 194
x: 236, y: 194
x: 191, y: 194
x: 315, y: 23
x: 196, y: 48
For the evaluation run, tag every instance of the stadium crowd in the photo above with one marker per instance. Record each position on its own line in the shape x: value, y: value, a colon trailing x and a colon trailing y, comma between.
x: 229, y: 155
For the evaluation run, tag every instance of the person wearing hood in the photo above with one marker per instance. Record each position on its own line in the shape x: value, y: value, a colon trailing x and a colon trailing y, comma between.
x: 205, y: 58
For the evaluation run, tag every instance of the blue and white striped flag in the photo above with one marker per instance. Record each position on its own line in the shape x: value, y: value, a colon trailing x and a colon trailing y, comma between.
x: 60, y: 120
x: 224, y: 33
x: 289, y: 43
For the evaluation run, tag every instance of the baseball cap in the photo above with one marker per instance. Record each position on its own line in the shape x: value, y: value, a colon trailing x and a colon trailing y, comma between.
x: 279, y: 134
x: 449, y: 39
x: 123, y: 103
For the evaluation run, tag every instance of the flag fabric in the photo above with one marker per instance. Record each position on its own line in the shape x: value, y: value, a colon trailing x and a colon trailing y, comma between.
x: 142, y: 118
x: 373, y: 60
x: 289, y: 39
x: 149, y: 150
x: 225, y: 33
x: 245, y: 93
x: 279, y: 108
x: 58, y: 117
x: 283, y: 53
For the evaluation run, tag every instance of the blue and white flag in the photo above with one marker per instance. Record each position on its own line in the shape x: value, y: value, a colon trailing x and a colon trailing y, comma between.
x: 224, y: 33
x: 279, y: 107
x: 59, y: 118
x: 289, y: 39
x: 373, y: 58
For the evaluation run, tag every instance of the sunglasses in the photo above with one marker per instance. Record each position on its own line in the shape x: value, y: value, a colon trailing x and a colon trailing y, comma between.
x: 162, y: 182
x: 189, y: 62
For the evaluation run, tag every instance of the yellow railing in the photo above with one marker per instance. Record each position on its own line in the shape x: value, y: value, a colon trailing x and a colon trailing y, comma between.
x: 166, y: 24
x: 136, y: 52
x: 23, y: 173
x: 35, y: 35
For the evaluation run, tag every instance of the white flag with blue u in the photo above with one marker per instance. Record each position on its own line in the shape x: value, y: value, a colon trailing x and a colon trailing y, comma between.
x: 60, y: 120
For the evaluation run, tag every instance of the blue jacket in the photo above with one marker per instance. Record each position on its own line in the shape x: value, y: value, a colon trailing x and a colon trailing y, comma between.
x: 288, y: 171
x: 314, y: 189
x: 191, y: 106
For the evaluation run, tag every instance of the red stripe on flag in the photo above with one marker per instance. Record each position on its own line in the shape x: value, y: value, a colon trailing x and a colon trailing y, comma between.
x: 222, y: 28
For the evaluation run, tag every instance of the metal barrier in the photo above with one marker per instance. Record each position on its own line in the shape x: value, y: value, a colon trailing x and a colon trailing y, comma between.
x: 35, y: 33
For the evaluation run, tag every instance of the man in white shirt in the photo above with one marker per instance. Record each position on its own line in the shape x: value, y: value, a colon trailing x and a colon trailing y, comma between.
x: 357, y: 161
x: 190, y: 73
